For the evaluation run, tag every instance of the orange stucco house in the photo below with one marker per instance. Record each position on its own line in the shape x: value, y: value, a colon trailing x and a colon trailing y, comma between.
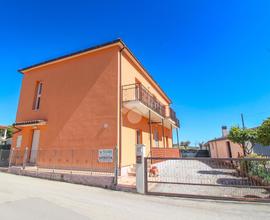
x: 222, y: 147
x: 97, y: 98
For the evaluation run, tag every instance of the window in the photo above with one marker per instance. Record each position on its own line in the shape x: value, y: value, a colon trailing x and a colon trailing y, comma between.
x: 156, y: 137
x: 38, y: 96
x: 19, y: 141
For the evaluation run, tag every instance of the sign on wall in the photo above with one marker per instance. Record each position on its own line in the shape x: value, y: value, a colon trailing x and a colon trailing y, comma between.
x: 105, y: 155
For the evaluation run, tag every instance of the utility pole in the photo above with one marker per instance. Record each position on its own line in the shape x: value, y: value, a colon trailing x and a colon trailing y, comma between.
x: 243, y: 122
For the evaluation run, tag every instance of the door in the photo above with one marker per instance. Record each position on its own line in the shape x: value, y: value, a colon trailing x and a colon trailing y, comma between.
x: 229, y: 149
x: 138, y: 136
x: 34, y: 148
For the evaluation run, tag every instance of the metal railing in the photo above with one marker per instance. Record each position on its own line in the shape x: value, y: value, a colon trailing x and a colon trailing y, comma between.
x: 61, y: 160
x: 4, y: 157
x: 137, y: 92
x: 218, y: 178
x: 174, y: 117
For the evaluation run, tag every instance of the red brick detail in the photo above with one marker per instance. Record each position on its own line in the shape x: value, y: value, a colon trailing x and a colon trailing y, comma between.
x: 165, y: 152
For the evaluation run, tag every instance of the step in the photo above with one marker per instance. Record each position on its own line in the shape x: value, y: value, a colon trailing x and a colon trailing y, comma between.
x: 131, y: 173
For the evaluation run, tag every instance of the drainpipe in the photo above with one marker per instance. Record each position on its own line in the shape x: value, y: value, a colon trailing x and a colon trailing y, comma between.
x: 120, y: 109
x: 150, y: 131
x: 177, y: 137
x: 172, y: 134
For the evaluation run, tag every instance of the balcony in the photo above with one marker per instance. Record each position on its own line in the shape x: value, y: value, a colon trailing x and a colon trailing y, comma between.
x: 138, y: 93
x: 172, y: 116
x: 138, y: 98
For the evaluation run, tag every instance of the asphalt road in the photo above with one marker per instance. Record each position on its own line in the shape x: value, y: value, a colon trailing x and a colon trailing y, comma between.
x: 30, y: 198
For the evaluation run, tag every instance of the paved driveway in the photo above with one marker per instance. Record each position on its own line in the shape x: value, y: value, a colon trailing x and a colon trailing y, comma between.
x: 226, y: 180
x: 31, y: 198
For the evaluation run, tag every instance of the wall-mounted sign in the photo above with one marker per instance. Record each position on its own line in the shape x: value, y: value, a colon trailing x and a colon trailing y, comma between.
x: 105, y: 155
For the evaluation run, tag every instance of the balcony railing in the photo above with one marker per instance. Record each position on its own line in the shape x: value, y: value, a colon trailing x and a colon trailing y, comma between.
x: 173, y: 117
x: 137, y: 92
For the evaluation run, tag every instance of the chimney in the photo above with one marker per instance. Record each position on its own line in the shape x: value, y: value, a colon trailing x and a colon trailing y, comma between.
x: 224, y: 131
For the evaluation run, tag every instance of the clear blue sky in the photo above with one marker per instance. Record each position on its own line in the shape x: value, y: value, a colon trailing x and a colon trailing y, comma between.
x: 211, y: 57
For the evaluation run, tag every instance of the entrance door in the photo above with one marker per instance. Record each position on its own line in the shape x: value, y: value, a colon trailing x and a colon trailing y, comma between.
x: 34, y: 148
x: 229, y: 149
x: 138, y: 136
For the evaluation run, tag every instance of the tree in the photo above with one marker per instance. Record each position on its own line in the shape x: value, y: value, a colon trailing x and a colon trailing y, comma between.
x: 246, y: 138
x: 9, y: 132
x: 264, y: 133
x: 201, y: 144
x: 185, y: 144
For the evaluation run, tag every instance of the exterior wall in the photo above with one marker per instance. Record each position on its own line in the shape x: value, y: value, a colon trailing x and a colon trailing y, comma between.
x: 130, y: 73
x: 132, y: 120
x: 161, y: 152
x: 79, y: 102
x: 219, y: 149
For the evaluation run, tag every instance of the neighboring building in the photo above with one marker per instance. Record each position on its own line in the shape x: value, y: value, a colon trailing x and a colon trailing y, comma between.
x: 222, y: 147
x: 98, y: 98
x: 3, y: 135
x: 261, y: 150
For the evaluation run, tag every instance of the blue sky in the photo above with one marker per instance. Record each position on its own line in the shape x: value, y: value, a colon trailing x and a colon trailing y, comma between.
x: 215, y: 54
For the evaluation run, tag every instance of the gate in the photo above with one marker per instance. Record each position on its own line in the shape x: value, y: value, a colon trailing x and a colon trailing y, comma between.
x: 245, y: 179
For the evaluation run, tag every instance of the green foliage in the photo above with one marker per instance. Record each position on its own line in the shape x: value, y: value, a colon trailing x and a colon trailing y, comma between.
x: 259, y: 168
x: 185, y: 144
x: 264, y: 133
x: 244, y: 137
x: 9, y: 132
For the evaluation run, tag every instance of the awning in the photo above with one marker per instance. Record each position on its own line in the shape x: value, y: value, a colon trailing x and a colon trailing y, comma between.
x: 30, y: 123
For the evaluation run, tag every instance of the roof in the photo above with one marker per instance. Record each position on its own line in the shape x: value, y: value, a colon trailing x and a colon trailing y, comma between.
x: 70, y: 54
x: 91, y: 49
x: 3, y: 127
x: 218, y: 139
x: 30, y: 123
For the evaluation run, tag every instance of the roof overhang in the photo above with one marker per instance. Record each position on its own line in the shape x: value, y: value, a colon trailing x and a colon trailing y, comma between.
x: 30, y: 123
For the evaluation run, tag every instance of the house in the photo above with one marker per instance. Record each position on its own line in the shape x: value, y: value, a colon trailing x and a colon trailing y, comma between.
x: 222, y: 147
x: 98, y: 98
x: 3, y: 134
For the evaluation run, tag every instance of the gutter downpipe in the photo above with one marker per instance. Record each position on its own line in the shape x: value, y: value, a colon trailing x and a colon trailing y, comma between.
x: 119, y: 114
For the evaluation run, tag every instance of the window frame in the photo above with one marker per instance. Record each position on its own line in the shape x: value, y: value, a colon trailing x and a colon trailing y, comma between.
x: 38, y: 94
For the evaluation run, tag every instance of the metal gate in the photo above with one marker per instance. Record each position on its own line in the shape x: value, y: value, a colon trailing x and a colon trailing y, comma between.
x: 221, y: 178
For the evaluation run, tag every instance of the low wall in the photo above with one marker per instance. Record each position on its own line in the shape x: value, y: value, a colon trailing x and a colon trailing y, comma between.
x: 165, y: 152
x: 70, y: 177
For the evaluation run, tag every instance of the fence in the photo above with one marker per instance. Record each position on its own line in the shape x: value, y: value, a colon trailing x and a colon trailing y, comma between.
x: 86, y: 166
x: 4, y: 157
x: 223, y: 178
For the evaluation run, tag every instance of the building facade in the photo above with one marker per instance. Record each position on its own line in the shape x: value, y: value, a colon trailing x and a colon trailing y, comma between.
x: 98, y: 98
x: 222, y: 147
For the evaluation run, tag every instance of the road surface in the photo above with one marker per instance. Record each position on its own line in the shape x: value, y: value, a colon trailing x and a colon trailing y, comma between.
x: 31, y: 198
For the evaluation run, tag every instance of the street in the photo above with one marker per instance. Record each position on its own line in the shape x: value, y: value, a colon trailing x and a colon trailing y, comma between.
x: 31, y: 198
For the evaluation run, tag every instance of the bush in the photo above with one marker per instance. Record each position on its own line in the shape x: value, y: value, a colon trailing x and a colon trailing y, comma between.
x: 257, y: 168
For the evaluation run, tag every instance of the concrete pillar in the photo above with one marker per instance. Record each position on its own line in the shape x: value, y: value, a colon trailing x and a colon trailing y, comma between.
x: 140, y: 169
